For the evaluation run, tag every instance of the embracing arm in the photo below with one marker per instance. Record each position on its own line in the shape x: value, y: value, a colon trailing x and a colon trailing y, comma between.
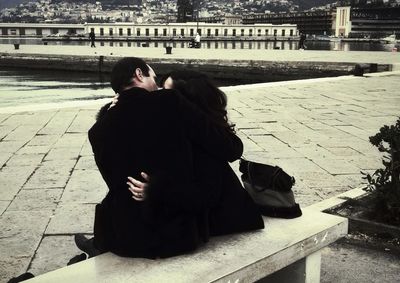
x: 194, y: 196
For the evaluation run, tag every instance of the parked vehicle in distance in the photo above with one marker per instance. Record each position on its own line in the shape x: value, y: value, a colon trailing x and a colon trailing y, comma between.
x: 390, y: 39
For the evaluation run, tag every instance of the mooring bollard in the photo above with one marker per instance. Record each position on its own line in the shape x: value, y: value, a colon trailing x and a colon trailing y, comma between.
x: 168, y: 49
x: 101, y: 63
x: 16, y: 46
x: 358, y: 70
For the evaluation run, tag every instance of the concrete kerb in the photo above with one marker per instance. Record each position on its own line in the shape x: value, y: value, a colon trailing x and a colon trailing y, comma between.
x: 52, y: 106
x: 395, y: 70
x: 396, y: 67
x: 284, y: 83
x: 338, y: 200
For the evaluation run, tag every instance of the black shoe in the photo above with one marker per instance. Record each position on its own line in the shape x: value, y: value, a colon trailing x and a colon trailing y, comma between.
x: 22, y: 277
x: 86, y: 245
x: 77, y: 258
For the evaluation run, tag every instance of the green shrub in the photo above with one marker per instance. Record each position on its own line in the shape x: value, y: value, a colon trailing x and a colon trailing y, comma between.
x: 384, y: 185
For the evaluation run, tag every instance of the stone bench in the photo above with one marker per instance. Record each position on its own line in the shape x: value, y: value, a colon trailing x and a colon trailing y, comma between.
x: 285, y: 251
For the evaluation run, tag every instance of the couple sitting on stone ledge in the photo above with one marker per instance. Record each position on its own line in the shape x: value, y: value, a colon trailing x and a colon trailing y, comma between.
x: 176, y: 143
x: 164, y: 155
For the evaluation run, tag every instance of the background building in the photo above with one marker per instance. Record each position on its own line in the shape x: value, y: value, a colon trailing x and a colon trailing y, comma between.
x: 374, y: 22
x: 40, y: 30
x: 342, y: 21
x: 312, y: 23
x: 185, y: 31
x: 185, y: 11
x: 370, y: 22
x: 156, y: 32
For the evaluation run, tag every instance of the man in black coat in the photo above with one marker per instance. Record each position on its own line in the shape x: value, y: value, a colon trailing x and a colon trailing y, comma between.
x: 153, y: 131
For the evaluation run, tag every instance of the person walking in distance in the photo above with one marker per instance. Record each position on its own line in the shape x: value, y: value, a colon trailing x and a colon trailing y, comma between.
x: 92, y: 37
x: 197, y: 40
x: 301, y: 41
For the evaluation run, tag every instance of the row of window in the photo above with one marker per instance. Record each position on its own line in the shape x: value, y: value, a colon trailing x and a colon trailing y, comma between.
x: 39, y: 31
x: 164, y: 32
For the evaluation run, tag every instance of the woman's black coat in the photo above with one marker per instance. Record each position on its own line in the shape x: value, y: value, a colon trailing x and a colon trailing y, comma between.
x: 160, y: 133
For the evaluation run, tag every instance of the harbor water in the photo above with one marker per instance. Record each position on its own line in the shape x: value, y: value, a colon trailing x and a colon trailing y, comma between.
x: 21, y: 87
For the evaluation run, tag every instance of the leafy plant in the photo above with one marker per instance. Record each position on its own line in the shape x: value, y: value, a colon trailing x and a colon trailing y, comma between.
x: 384, y: 184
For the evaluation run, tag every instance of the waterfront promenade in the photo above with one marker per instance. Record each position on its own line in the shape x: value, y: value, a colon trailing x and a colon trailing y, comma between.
x: 317, y: 130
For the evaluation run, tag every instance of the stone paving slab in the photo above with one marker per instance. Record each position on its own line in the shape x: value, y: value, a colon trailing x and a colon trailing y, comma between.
x: 59, y: 123
x: 3, y: 205
x: 86, y: 162
x: 54, y: 251
x: 21, y: 234
x: 12, y: 179
x: 357, y: 265
x: 316, y: 130
x: 84, y: 186
x: 72, y: 218
x: 25, y: 160
x: 58, y: 153
x: 51, y: 174
x: 42, y: 139
x: 36, y: 200
x: 86, y: 150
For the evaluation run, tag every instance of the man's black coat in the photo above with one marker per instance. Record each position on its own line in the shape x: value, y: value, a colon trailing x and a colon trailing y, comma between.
x: 164, y: 135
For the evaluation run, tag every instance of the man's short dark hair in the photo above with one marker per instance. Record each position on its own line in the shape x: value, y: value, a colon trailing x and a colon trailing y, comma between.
x: 124, y: 69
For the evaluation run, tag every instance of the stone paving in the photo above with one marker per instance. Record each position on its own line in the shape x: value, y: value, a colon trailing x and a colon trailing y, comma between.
x: 317, y: 130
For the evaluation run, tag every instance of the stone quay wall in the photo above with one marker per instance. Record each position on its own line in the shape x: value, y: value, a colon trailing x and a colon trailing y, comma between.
x: 252, y: 70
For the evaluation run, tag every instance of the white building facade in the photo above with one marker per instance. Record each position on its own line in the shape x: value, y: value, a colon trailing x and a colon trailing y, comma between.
x: 128, y: 31
x: 40, y: 30
x: 206, y: 30
x: 343, y: 22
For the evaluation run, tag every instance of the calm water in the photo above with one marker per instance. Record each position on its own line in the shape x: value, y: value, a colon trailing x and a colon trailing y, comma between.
x: 23, y: 87
x: 285, y: 45
x: 20, y: 87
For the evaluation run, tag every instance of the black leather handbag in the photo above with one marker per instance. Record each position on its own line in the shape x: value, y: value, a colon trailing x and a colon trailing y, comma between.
x: 271, y: 189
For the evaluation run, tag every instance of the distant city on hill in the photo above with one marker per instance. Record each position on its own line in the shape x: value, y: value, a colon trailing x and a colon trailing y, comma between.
x: 302, y: 4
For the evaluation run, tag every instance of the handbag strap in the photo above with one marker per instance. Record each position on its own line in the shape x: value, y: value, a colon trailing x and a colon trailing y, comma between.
x: 249, y: 173
x: 278, y: 170
x: 274, y: 176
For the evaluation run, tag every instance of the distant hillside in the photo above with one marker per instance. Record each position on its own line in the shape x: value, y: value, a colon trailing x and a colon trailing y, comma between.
x: 307, y: 4
x: 11, y: 3
x: 104, y: 2
x: 303, y: 4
